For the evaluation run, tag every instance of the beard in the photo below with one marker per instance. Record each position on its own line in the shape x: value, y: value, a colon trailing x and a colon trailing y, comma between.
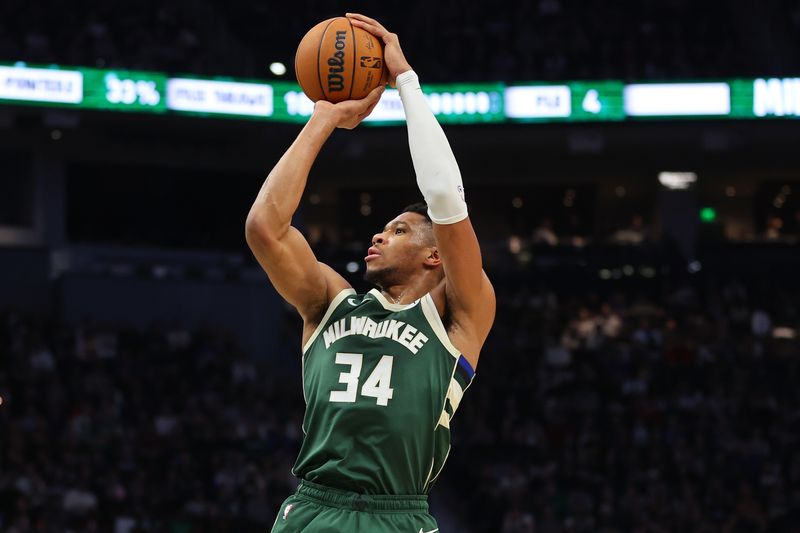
x: 382, y: 277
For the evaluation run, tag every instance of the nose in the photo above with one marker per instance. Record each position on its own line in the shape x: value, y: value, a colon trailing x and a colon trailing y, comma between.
x: 377, y: 239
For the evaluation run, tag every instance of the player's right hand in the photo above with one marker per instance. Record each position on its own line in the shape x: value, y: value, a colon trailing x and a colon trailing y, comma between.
x: 396, y: 62
x: 350, y: 113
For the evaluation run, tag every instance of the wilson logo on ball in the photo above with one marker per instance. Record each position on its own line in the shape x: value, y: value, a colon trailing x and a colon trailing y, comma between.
x: 371, y: 62
x: 336, y: 63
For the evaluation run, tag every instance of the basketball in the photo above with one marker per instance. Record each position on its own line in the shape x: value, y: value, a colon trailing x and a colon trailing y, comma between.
x: 336, y: 61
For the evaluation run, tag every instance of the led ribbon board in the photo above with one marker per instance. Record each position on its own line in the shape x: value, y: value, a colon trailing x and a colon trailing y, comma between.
x: 766, y: 98
x: 573, y: 101
x: 236, y: 99
x: 123, y: 90
x: 41, y: 85
x: 451, y: 103
x: 677, y: 99
x: 456, y: 103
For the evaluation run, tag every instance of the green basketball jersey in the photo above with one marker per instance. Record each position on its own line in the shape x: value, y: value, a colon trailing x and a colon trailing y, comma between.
x: 381, y: 383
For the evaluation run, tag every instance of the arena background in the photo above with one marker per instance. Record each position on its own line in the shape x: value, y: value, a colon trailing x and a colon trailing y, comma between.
x: 642, y: 372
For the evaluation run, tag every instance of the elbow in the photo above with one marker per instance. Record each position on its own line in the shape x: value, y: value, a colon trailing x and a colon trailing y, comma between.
x: 258, y: 230
x: 251, y: 231
x: 252, y: 223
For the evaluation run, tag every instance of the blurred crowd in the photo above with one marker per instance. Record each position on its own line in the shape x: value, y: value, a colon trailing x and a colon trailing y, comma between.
x: 649, y: 405
x: 104, y: 427
x: 147, y: 35
x: 446, y: 41
x: 655, y: 409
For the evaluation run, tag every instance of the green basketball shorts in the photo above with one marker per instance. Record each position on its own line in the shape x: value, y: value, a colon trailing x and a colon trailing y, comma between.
x: 318, y: 509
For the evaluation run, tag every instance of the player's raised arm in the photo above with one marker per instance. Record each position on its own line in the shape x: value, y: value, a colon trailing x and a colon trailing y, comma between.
x: 469, y: 294
x: 281, y: 249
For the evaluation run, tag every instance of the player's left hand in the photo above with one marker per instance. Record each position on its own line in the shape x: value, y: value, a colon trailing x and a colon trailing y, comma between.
x: 396, y: 62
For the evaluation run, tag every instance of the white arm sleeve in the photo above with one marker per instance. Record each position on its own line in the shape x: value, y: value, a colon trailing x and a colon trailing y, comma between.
x: 438, y: 176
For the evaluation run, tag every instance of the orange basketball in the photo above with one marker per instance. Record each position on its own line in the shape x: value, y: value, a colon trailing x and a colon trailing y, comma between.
x: 337, y: 61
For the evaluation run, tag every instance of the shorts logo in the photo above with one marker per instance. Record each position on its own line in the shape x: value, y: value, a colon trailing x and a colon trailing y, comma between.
x: 287, y: 510
x: 371, y: 62
x: 431, y: 531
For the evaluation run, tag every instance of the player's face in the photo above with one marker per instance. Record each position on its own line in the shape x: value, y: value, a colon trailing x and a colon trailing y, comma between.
x: 399, y: 249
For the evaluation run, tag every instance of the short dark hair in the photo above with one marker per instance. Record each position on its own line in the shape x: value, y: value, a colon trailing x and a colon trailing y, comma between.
x: 420, y: 208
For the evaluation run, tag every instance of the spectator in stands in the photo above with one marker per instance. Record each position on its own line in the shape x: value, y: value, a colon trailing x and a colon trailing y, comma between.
x: 774, y: 227
x: 544, y: 234
x: 635, y: 233
x: 520, y: 40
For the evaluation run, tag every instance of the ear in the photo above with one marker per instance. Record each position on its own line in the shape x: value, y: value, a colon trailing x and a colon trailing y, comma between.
x: 433, y: 259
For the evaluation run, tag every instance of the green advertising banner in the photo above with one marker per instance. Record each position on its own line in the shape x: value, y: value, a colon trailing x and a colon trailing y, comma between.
x: 458, y: 103
x: 765, y: 98
x: 572, y: 101
x: 453, y: 103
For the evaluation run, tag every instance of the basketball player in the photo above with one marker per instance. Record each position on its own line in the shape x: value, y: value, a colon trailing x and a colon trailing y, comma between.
x: 383, y: 372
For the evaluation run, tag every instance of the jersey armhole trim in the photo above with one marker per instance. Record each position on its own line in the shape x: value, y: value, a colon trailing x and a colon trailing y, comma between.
x: 429, y: 309
x: 331, y: 308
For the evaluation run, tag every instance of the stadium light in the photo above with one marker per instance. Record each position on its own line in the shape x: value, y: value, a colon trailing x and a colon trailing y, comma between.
x: 677, y: 180
x: 708, y: 215
x: 277, y: 68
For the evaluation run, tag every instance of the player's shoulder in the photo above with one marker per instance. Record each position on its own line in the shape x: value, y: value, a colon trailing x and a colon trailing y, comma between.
x: 335, y: 287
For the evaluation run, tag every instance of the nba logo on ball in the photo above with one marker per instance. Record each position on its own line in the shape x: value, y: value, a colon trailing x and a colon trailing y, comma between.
x: 371, y: 62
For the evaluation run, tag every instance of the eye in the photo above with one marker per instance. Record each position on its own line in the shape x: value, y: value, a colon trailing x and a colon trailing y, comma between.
x: 398, y: 230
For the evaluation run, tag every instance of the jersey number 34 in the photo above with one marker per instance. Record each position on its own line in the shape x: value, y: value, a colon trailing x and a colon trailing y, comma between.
x: 377, y: 385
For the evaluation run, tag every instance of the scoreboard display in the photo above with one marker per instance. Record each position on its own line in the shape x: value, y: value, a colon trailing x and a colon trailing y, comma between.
x: 574, y: 101
x: 456, y: 103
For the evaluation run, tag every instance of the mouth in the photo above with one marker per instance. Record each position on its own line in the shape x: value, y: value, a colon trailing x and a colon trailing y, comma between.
x: 372, y: 253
